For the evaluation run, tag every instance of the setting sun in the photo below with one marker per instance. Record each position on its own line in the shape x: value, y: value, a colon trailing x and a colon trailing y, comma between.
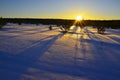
x: 79, y: 18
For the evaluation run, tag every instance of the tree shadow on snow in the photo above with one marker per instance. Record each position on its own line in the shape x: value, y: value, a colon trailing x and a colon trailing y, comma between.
x: 13, y: 66
x: 101, y: 67
x: 105, y: 59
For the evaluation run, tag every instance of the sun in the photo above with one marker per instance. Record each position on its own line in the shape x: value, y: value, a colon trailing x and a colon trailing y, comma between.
x: 79, y: 18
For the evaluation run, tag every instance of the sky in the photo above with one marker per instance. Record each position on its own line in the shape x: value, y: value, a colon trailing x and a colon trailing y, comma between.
x: 62, y: 9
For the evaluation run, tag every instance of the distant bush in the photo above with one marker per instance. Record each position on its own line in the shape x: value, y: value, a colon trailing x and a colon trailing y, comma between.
x: 2, y: 22
x: 100, y: 29
x: 19, y: 23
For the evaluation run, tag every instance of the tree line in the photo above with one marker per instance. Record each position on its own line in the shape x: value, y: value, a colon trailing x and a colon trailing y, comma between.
x: 114, y: 24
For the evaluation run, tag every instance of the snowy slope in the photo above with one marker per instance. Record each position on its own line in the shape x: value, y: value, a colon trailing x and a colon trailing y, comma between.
x: 30, y: 52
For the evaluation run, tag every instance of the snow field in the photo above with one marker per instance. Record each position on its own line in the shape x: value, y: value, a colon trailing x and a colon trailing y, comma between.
x: 30, y: 52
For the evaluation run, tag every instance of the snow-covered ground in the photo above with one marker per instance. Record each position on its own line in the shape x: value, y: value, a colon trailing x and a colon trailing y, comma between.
x: 30, y: 52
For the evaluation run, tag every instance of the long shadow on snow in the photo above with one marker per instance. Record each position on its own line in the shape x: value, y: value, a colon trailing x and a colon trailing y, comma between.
x: 106, y: 59
x: 105, y: 65
x: 82, y: 50
x: 12, y: 67
x: 108, y: 37
x: 11, y: 30
x: 99, y: 68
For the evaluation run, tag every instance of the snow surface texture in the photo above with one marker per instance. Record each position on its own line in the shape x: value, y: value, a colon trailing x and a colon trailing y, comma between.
x: 30, y: 52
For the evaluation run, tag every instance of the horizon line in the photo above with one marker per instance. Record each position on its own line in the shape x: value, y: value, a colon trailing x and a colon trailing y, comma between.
x: 52, y: 18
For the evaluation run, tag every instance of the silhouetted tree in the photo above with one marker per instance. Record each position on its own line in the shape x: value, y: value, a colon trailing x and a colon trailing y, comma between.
x: 50, y: 27
x: 2, y: 22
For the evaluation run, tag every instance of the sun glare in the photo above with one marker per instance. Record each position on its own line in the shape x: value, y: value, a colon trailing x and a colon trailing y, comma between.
x: 79, y: 18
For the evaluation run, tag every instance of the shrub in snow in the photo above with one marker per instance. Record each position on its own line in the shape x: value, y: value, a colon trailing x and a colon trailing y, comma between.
x: 19, y: 23
x: 100, y: 30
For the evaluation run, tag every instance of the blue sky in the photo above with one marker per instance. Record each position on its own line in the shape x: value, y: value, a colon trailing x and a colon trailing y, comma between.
x: 64, y: 9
